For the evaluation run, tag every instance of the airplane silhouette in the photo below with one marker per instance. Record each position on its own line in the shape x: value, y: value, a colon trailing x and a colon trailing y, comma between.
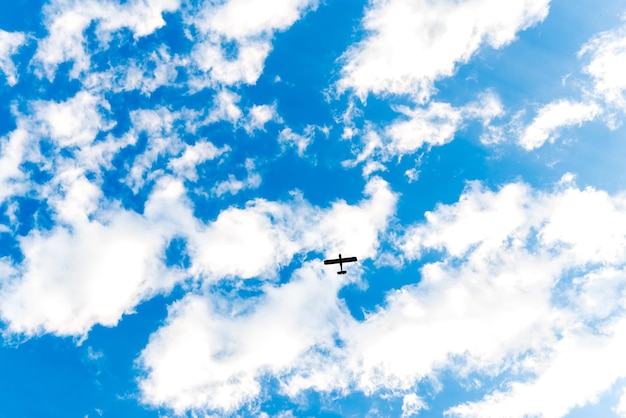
x: 340, y: 261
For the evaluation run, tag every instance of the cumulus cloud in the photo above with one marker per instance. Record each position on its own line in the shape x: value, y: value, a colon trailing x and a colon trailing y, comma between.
x: 212, y: 353
x: 10, y: 42
x: 93, y: 267
x: 208, y: 357
x: 225, y: 107
x: 67, y: 20
x: 74, y: 122
x: 529, y: 242
x: 520, y: 292
x: 607, y: 56
x: 268, y: 234
x: 553, y: 117
x: 574, y: 376
x: 258, y: 116
x: 235, y: 37
x: 411, y: 44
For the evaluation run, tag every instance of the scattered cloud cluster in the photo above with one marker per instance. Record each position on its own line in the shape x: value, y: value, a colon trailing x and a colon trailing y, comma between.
x: 521, y: 292
x: 67, y: 21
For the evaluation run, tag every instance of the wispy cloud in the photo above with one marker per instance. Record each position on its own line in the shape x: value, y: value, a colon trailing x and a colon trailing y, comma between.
x: 10, y: 42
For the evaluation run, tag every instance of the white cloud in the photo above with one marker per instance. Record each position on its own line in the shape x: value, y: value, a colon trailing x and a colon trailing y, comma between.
x: 258, y: 116
x: 196, y: 154
x: 411, y: 44
x: 162, y: 140
x: 299, y: 141
x: 433, y: 125
x: 518, y: 240
x: 75, y: 122
x: 95, y: 266
x: 268, y: 234
x: 234, y: 186
x: 10, y: 42
x: 412, y: 405
x: 582, y: 365
x: 554, y: 116
x: 66, y: 21
x: 213, y: 351
x: 516, y: 295
x: 243, y: 19
x: 225, y: 107
x: 607, y: 52
x: 211, y: 357
x: 155, y: 70
x: 13, y: 149
x: 620, y: 409
x: 250, y: 25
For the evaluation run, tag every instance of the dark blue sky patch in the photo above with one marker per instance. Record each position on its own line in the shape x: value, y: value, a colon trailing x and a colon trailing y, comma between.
x: 176, y: 254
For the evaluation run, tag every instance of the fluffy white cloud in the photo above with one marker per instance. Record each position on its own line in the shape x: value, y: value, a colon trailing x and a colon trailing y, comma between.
x: 213, y: 352
x: 225, y: 107
x: 72, y: 124
x: 435, y: 125
x: 607, y: 52
x: 10, y: 42
x: 248, y: 26
x: 412, y: 405
x: 268, y: 234
x: 75, y: 122
x: 582, y: 365
x: 96, y: 265
x: 258, y: 116
x: 522, y: 245
x: 241, y: 19
x: 554, y: 116
x: 521, y: 291
x: 66, y: 21
x: 208, y: 356
x: 411, y: 44
x: 13, y: 149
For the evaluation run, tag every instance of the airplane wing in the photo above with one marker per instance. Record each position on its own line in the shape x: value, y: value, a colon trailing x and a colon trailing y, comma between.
x: 340, y: 260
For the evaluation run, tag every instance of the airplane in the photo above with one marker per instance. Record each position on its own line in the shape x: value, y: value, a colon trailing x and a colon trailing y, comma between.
x: 340, y: 261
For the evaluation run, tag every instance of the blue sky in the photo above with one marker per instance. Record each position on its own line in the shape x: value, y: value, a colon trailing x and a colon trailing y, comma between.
x: 173, y: 173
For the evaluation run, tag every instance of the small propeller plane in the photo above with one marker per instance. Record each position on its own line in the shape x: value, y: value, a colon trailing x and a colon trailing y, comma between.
x: 340, y: 261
